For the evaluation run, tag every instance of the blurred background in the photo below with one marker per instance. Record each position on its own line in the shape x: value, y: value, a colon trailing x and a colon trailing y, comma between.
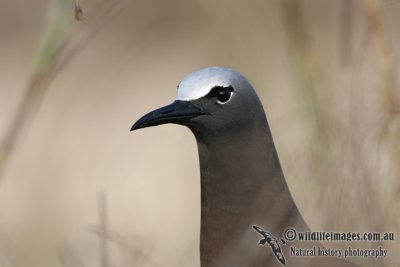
x: 77, y: 189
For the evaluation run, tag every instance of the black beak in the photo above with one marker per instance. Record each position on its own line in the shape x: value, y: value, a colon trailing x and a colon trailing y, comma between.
x: 179, y: 112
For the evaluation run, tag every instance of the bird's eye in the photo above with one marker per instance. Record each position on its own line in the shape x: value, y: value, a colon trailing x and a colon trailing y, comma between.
x: 223, y: 94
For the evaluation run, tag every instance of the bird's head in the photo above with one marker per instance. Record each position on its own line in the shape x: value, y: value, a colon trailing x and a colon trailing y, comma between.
x: 214, y: 99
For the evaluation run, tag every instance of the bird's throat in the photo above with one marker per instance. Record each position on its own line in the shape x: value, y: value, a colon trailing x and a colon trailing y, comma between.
x: 242, y: 184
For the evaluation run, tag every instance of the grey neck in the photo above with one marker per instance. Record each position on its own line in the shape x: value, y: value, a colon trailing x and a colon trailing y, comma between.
x: 242, y: 184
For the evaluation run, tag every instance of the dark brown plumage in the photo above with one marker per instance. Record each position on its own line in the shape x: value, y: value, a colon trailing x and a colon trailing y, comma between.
x: 242, y: 183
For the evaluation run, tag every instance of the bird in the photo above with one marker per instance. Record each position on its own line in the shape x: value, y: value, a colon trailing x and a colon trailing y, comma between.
x: 241, y: 179
x: 273, y: 242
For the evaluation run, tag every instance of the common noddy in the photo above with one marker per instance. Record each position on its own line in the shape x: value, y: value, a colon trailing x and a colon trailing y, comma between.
x: 242, y: 183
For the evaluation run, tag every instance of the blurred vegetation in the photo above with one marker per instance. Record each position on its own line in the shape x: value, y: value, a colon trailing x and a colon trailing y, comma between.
x: 44, y: 67
x: 59, y: 44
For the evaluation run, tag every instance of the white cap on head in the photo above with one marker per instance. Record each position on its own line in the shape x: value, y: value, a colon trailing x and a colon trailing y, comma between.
x: 199, y: 83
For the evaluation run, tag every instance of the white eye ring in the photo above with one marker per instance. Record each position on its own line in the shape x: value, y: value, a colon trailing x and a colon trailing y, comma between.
x: 223, y: 94
x: 224, y: 97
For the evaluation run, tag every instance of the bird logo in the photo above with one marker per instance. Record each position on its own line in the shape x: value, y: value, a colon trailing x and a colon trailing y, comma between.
x: 273, y: 242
